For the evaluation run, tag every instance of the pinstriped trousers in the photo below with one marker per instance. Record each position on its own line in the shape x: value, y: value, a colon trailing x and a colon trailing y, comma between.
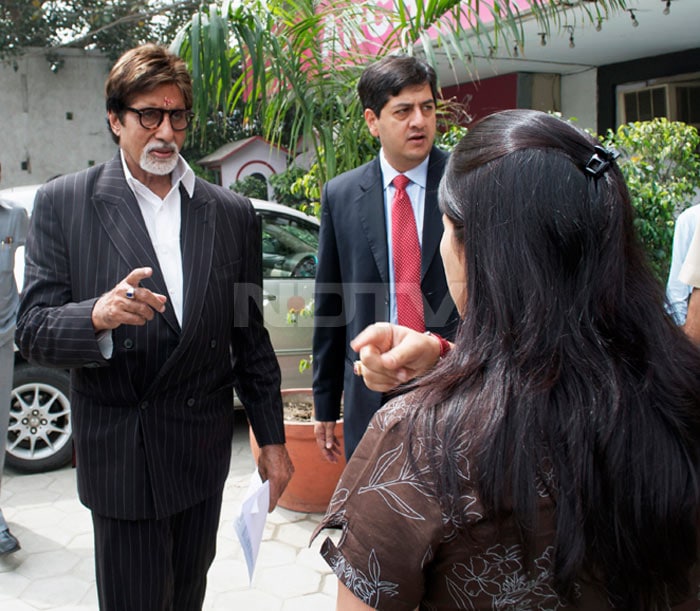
x: 156, y: 565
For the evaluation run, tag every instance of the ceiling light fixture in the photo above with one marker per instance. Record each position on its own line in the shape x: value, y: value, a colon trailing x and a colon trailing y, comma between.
x: 599, y: 25
x: 543, y: 39
x: 633, y: 17
x: 667, y: 9
x: 570, y: 28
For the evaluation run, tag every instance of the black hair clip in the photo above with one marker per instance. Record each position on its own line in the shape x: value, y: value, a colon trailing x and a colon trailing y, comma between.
x: 600, y: 160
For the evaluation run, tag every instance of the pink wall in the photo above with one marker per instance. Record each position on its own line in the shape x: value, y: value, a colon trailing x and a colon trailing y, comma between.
x: 379, y: 30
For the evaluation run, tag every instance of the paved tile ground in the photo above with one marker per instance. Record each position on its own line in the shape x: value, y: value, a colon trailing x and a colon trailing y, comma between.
x: 54, y: 569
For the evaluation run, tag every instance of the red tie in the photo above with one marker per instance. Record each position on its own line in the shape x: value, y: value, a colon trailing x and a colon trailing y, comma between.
x: 406, y: 249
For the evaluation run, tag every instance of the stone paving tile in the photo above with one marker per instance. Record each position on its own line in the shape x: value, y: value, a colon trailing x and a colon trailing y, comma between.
x: 13, y: 584
x: 296, y: 533
x: 18, y: 605
x: 287, y: 581
x: 312, y: 602
x: 66, y: 590
x: 89, y: 601
x: 330, y: 586
x: 310, y: 557
x: 248, y: 600
x: 43, y: 565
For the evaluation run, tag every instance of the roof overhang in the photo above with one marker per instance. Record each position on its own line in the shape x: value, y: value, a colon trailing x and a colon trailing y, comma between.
x: 616, y: 40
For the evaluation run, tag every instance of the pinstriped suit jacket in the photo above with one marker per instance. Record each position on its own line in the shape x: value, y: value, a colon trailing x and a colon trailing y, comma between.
x: 153, y: 424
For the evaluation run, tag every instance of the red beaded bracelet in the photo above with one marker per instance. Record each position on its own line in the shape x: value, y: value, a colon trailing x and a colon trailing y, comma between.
x: 445, y: 346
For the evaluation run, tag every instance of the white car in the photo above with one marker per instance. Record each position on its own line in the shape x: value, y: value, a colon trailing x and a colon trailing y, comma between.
x: 39, y: 437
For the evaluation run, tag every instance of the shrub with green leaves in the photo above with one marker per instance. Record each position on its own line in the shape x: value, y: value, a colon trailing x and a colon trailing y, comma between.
x: 284, y: 191
x: 660, y: 160
x: 448, y: 139
x: 251, y: 186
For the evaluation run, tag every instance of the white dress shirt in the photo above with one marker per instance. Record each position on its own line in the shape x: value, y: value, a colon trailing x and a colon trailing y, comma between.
x: 162, y: 218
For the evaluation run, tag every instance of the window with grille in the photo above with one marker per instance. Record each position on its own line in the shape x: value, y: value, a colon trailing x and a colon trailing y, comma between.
x: 677, y: 101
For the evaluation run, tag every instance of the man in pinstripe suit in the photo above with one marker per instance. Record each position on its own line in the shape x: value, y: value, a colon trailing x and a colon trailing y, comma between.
x: 146, y: 282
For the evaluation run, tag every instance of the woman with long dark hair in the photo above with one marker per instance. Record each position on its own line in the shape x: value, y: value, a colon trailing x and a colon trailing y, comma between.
x: 550, y: 459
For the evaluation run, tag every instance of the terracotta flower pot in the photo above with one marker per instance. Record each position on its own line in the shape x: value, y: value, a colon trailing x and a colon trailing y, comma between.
x: 314, y: 479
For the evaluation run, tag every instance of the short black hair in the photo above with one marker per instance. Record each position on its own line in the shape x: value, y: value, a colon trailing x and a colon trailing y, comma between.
x: 389, y: 76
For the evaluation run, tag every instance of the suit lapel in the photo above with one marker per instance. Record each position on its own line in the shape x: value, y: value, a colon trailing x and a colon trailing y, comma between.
x: 197, y: 225
x: 370, y: 206
x: 197, y: 242
x: 120, y: 215
x: 432, y: 219
x: 370, y: 209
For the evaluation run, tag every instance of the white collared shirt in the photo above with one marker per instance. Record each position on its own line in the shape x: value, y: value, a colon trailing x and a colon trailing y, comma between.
x: 416, y: 192
x: 162, y: 219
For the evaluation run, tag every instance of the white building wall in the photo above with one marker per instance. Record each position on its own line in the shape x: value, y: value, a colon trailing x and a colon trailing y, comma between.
x: 52, y: 122
x: 579, y: 98
x: 256, y: 158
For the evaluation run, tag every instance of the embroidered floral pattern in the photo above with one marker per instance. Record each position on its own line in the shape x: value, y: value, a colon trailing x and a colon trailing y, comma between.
x: 499, y: 576
x: 390, y: 488
x: 366, y: 585
x: 400, y: 548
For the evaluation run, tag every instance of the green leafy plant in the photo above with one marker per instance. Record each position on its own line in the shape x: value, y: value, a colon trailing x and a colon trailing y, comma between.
x: 450, y: 137
x: 294, y: 64
x: 284, y: 190
x: 251, y: 186
x: 111, y: 26
x: 660, y: 160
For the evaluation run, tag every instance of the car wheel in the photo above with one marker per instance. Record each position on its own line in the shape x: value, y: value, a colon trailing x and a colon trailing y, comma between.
x: 40, y: 435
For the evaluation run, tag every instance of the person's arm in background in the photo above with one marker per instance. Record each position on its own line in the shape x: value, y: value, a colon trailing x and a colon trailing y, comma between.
x: 692, y: 320
x: 690, y: 274
x: 677, y: 291
x: 329, y: 337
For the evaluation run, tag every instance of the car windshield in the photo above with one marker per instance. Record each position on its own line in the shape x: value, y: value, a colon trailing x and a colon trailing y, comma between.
x: 288, y: 244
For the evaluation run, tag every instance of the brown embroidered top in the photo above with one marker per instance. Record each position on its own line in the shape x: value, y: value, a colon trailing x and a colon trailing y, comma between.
x: 399, y: 550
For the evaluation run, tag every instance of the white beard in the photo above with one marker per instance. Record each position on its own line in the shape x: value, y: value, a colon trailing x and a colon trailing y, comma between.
x: 157, y: 166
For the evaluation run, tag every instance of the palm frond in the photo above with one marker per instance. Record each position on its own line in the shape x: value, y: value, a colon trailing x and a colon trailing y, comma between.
x: 299, y: 60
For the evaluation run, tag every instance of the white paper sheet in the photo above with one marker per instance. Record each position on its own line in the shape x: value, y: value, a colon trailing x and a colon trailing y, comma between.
x: 250, y: 523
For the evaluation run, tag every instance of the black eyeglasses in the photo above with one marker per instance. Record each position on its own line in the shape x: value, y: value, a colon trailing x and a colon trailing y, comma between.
x: 151, y: 118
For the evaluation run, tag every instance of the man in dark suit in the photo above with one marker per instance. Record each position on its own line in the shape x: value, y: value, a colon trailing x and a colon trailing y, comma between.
x: 359, y: 279
x: 146, y: 282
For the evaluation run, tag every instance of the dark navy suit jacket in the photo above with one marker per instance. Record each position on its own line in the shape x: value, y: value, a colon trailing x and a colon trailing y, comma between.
x: 153, y: 424
x: 352, y: 287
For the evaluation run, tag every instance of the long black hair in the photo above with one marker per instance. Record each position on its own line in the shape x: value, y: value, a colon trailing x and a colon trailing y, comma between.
x: 567, y: 372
